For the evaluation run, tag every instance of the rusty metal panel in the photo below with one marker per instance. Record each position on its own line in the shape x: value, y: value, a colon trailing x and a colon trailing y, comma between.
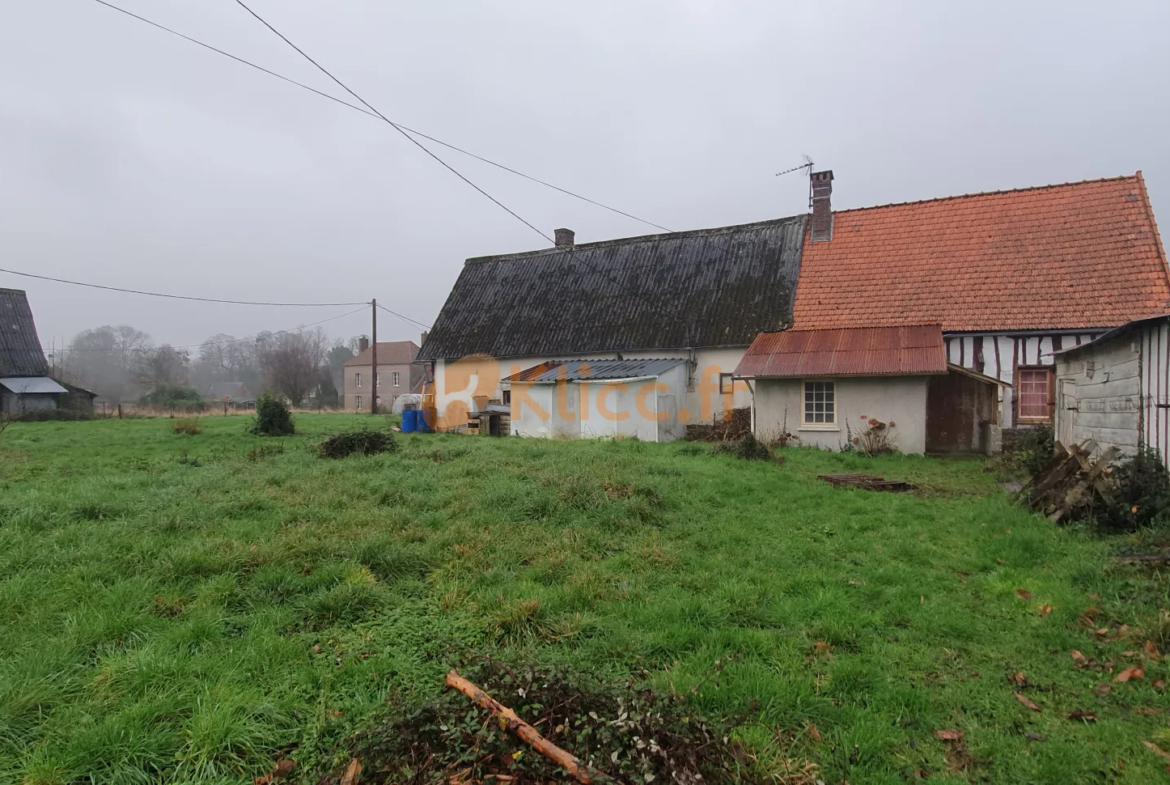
x: 859, y: 351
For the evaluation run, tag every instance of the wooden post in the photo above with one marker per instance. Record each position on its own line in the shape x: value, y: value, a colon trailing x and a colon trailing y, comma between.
x: 374, y: 354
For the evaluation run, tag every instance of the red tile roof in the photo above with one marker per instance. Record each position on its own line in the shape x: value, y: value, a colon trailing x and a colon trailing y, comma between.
x: 389, y: 353
x: 857, y: 351
x: 1067, y: 256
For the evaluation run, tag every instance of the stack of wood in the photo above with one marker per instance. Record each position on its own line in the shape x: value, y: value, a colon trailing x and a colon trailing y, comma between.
x: 1072, y: 481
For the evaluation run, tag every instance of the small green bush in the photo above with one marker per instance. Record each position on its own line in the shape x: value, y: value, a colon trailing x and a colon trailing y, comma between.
x: 272, y: 418
x: 343, y: 445
x: 187, y: 426
x: 52, y: 415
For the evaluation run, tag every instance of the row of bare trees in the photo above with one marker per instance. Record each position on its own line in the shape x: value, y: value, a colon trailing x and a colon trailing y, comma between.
x: 121, y: 363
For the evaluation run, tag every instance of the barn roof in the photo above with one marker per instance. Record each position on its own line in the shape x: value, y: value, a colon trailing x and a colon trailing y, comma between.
x: 712, y: 287
x: 1072, y: 256
x: 857, y: 351
x: 20, y: 349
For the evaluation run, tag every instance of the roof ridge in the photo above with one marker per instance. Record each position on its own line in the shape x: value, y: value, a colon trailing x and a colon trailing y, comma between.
x: 639, y: 238
x: 999, y: 192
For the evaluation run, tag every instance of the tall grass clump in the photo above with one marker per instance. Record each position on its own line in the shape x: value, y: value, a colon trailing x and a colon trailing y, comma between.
x: 272, y: 418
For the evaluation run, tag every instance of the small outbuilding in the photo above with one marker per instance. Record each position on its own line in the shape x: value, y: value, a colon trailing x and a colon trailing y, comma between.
x: 599, y: 398
x: 1115, y: 389
x: 828, y: 387
x: 25, y: 384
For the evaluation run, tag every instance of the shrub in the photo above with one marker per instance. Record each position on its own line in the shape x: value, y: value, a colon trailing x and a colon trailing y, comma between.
x: 749, y: 448
x: 877, y: 438
x: 188, y: 426
x: 343, y: 445
x: 1141, y: 492
x: 52, y: 415
x: 1033, y: 448
x: 272, y: 418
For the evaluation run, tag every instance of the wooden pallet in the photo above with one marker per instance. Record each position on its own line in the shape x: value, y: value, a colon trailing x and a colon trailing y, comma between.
x: 867, y: 482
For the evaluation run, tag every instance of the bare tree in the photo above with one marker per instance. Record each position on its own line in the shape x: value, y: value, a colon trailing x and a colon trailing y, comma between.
x: 104, y: 359
x: 292, y: 363
x: 165, y: 365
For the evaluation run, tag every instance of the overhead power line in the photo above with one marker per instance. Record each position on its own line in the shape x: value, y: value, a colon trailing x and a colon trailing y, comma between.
x: 452, y: 169
x: 403, y: 318
x: 356, y: 108
x: 178, y: 296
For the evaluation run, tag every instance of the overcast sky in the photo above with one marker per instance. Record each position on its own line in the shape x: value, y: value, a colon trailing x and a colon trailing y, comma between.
x: 131, y: 158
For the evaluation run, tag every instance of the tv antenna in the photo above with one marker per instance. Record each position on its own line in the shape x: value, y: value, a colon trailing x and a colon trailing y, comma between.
x: 808, y: 164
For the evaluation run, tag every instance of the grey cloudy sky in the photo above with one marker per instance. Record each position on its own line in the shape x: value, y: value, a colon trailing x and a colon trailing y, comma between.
x: 131, y: 158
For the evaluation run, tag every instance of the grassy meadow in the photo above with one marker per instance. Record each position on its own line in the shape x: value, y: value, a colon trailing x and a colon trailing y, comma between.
x: 182, y: 608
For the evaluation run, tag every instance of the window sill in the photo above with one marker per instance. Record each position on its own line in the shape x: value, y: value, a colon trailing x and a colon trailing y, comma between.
x: 819, y: 428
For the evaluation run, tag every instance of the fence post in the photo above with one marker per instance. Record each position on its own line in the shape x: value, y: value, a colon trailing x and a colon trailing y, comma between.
x: 119, y: 411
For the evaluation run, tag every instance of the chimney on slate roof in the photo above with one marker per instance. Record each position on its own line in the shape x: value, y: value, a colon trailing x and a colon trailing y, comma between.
x: 820, y: 189
x: 564, y: 238
x: 363, y: 344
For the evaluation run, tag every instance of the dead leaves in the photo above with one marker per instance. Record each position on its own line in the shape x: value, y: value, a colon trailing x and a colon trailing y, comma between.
x: 1083, y: 716
x: 1102, y: 689
x: 352, y: 772
x: 282, y: 769
x: 1019, y: 679
x: 1134, y: 672
x: 1024, y: 594
x: 1152, y: 651
x: 949, y: 735
x: 1026, y: 702
x: 1045, y: 609
x: 821, y: 648
x: 1079, y: 658
x: 814, y: 734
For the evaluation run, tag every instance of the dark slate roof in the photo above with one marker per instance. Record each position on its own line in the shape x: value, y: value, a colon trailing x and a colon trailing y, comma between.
x: 594, y: 370
x: 725, y: 285
x: 20, y: 349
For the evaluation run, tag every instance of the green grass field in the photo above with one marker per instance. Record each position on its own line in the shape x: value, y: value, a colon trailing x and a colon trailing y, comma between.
x: 173, y: 609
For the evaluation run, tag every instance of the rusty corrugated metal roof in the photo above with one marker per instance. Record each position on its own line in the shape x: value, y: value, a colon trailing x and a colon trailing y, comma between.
x: 854, y: 351
x: 594, y: 370
x: 714, y: 287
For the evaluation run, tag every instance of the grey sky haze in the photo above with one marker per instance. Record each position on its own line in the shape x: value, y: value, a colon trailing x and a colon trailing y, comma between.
x: 131, y: 158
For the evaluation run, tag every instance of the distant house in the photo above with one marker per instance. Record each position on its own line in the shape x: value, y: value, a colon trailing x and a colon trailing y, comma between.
x: 398, y: 373
x: 233, y: 394
x: 25, y: 383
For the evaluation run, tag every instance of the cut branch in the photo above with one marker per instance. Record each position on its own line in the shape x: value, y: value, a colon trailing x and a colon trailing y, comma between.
x: 522, y: 729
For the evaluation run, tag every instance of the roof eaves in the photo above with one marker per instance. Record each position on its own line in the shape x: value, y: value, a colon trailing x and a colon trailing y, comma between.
x: 1160, y: 249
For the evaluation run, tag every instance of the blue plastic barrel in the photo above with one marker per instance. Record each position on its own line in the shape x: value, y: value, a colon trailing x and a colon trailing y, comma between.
x: 409, y: 420
x: 420, y: 422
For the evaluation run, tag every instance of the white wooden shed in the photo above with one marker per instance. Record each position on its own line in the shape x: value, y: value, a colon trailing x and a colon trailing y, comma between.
x: 592, y: 399
x: 1115, y: 389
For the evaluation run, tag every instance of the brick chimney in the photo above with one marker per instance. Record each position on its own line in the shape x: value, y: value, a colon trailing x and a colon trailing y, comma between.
x: 821, y: 188
x: 564, y: 237
x: 363, y: 344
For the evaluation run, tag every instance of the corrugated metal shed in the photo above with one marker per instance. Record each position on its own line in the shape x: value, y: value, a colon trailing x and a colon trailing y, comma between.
x: 20, y: 349
x: 32, y: 385
x: 857, y: 351
x: 594, y: 370
x: 714, y: 287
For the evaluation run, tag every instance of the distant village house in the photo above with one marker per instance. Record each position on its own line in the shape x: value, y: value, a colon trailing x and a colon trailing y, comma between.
x: 398, y: 374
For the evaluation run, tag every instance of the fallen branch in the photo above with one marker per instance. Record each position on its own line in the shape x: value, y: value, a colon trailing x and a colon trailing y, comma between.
x: 522, y: 729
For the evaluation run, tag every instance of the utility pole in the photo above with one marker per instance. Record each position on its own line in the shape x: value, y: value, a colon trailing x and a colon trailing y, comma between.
x: 374, y: 354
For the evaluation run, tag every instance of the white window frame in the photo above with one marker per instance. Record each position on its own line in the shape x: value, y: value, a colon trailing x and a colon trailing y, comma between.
x: 357, y: 402
x: 395, y: 378
x: 357, y: 380
x: 378, y: 380
x: 812, y: 424
x: 726, y: 383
